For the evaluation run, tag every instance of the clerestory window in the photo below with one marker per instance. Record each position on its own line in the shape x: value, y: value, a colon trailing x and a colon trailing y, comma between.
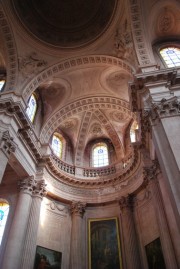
x: 100, y: 155
x: 57, y: 144
x: 32, y: 107
x: 171, y: 56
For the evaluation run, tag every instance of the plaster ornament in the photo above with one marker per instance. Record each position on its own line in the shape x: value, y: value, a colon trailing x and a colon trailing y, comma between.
x: 166, y: 21
x: 31, y: 64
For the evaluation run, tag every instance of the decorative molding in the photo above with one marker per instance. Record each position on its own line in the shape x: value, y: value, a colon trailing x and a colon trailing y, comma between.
x: 138, y: 33
x: 10, y: 46
x: 7, y: 144
x: 74, y: 63
x: 77, y: 208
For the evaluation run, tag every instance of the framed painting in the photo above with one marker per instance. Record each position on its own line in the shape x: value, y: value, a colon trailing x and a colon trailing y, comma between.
x: 154, y: 255
x: 104, y: 244
x: 47, y: 258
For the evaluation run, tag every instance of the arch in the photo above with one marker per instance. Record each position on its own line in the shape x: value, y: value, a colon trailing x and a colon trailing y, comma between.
x: 133, y: 132
x: 71, y: 64
x: 4, y: 211
x: 32, y: 107
x: 100, y: 155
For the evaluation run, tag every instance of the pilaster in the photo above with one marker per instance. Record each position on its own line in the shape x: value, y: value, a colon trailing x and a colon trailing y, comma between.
x: 76, y: 255
x: 29, y: 249
x: 150, y: 177
x: 129, y: 233
x: 15, y: 243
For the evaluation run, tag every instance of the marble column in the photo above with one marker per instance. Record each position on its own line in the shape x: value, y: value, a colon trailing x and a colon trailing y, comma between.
x: 7, y: 146
x: 13, y: 252
x: 76, y: 252
x: 29, y: 250
x: 150, y: 174
x: 130, y: 242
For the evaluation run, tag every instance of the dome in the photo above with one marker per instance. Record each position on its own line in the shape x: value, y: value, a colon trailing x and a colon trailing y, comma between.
x: 66, y: 23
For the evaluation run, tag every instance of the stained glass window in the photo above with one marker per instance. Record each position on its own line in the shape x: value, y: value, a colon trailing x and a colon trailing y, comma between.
x: 4, y: 210
x: 57, y: 145
x: 2, y: 82
x: 171, y: 56
x: 32, y: 107
x: 100, y: 155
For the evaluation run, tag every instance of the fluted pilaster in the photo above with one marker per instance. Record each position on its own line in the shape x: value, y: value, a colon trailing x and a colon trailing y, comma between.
x: 129, y: 233
x: 32, y: 229
x: 76, y: 255
x: 15, y: 243
x: 167, y: 247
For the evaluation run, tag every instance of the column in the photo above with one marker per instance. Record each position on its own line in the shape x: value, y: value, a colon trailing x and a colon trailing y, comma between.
x: 130, y: 241
x: 15, y: 243
x: 76, y: 254
x: 7, y: 146
x: 150, y: 174
x: 29, y: 250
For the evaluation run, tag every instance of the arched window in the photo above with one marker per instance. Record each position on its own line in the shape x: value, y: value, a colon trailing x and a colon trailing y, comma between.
x: 32, y: 107
x: 57, y: 144
x: 100, y: 156
x: 4, y: 210
x: 171, y: 56
x: 2, y: 82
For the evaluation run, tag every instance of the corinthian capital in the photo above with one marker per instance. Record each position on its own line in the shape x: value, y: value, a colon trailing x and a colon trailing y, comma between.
x: 151, y: 172
x: 166, y: 107
x: 126, y: 202
x: 40, y: 189
x: 27, y: 185
x: 77, y: 208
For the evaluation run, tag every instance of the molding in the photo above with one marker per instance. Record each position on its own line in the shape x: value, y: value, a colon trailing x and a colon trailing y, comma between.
x: 10, y: 46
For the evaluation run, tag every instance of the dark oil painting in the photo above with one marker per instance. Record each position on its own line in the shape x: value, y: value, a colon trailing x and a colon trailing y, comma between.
x: 154, y: 255
x: 47, y: 259
x: 104, y: 244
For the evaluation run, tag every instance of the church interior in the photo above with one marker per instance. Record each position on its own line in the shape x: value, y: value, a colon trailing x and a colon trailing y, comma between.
x: 89, y: 134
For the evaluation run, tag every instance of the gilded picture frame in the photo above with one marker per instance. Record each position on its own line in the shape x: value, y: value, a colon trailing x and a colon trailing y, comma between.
x: 104, y: 244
